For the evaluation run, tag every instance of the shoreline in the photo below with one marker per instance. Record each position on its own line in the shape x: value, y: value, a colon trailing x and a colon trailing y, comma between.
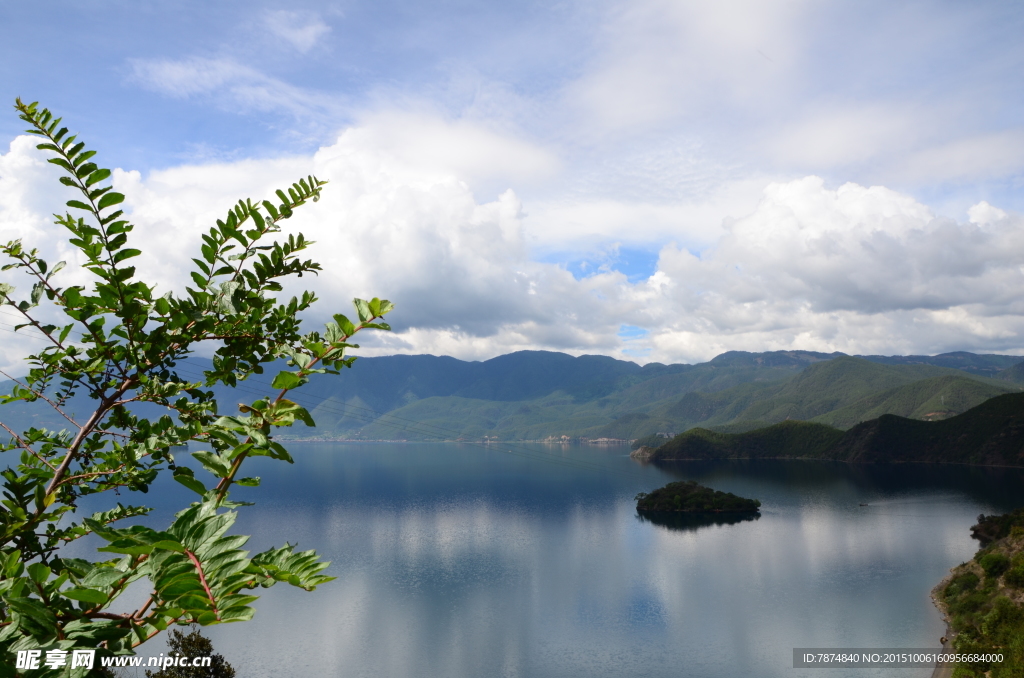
x: 947, y: 646
x: 648, y: 460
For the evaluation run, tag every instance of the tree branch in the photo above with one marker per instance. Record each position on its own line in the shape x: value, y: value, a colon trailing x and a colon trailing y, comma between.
x: 27, y: 447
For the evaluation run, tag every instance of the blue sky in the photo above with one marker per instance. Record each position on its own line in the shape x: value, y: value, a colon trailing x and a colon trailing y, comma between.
x: 733, y: 175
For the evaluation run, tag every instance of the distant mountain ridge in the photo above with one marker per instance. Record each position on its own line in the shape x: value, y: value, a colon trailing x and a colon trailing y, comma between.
x: 987, y: 365
x: 533, y: 395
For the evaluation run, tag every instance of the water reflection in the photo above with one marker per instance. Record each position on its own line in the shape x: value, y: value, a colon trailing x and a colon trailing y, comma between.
x: 995, y: 486
x: 692, y: 521
x: 461, y: 562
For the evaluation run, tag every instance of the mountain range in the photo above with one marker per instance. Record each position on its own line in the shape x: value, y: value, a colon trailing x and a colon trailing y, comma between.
x: 536, y: 395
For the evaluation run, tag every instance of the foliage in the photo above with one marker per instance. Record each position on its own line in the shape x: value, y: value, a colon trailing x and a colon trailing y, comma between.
x: 990, y: 528
x: 795, y: 439
x: 118, y: 342
x: 994, y: 564
x: 927, y: 399
x: 195, y: 644
x: 694, y: 498
x: 982, y: 599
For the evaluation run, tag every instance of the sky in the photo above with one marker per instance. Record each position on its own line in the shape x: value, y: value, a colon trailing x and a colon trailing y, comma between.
x: 650, y: 180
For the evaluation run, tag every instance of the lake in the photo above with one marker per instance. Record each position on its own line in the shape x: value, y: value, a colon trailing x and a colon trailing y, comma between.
x: 467, y: 561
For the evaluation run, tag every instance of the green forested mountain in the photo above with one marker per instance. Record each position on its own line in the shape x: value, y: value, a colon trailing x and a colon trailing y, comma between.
x: 927, y: 399
x: 785, y: 440
x: 819, y: 389
x: 991, y: 433
x: 1014, y: 373
x: 532, y: 395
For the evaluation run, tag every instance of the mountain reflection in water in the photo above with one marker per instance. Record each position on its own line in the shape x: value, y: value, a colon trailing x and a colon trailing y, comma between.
x: 464, y: 561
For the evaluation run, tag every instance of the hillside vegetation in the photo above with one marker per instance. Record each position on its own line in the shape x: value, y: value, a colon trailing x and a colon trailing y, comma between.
x: 733, y: 392
x: 991, y: 433
x: 788, y: 439
x: 927, y: 399
x: 536, y: 395
x: 984, y: 599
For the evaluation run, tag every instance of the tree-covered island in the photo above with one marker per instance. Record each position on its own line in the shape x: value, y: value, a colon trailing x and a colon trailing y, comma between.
x: 690, y: 497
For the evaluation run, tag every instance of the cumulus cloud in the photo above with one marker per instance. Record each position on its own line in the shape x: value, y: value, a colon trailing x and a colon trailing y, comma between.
x: 857, y: 269
x: 27, y: 202
x: 854, y: 269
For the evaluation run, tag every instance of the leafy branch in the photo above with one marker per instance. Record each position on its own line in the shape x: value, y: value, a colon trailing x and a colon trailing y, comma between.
x: 124, y: 353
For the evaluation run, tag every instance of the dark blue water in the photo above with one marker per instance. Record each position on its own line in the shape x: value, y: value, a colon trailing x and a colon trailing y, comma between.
x: 462, y: 561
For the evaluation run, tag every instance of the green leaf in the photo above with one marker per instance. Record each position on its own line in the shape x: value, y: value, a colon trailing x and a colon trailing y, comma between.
x: 248, y: 482
x: 169, y: 545
x: 35, y: 611
x: 75, y: 149
x: 287, y: 412
x: 125, y: 254
x: 110, y: 199
x: 56, y: 268
x: 37, y: 292
x: 97, y: 176
x: 213, y: 463
x: 345, y: 324
x: 363, y: 309
x: 287, y: 380
x: 186, y: 477
x: 85, y: 595
x: 225, y: 302
x: 38, y: 572
x: 78, y: 204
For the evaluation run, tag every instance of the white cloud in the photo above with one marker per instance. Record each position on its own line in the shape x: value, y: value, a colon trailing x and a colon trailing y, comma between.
x: 233, y: 85
x: 660, y: 59
x: 983, y: 156
x: 302, y: 30
x: 187, y: 77
x: 876, y: 93
x: 27, y: 202
x: 857, y: 269
x: 863, y: 270
x: 462, y: 148
x: 843, y: 135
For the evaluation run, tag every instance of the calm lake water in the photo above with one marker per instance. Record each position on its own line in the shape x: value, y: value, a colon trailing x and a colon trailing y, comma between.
x: 465, y: 561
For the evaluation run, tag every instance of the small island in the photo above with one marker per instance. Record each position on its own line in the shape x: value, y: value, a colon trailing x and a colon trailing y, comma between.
x: 690, y: 497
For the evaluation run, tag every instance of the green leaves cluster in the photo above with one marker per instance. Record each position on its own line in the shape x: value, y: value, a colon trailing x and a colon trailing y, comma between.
x: 119, y: 342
